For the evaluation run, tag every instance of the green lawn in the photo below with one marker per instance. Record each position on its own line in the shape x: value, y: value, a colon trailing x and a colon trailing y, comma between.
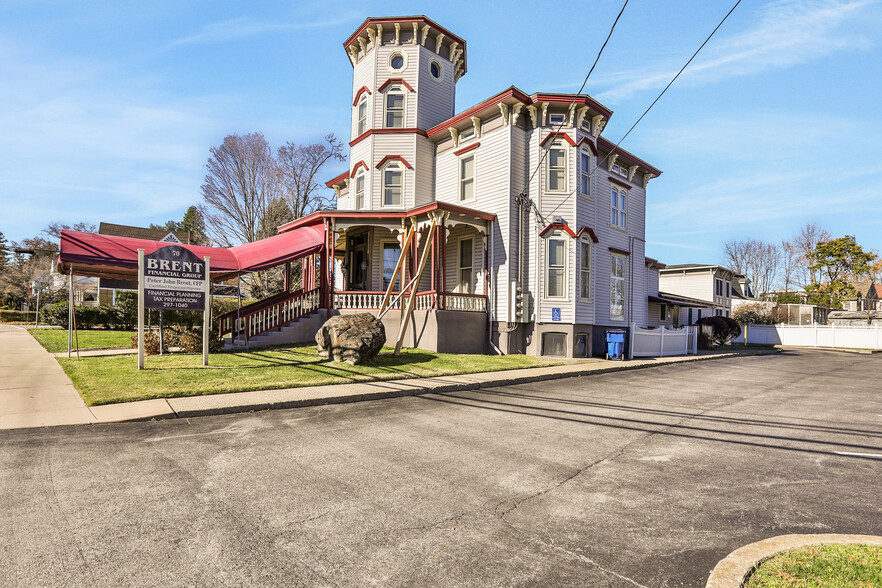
x: 55, y: 340
x: 816, y: 566
x: 103, y: 380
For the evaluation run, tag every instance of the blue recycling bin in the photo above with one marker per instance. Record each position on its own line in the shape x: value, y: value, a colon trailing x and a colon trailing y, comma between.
x: 615, y: 345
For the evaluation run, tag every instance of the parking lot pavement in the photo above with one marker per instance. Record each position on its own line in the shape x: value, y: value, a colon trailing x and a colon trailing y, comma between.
x: 643, y: 478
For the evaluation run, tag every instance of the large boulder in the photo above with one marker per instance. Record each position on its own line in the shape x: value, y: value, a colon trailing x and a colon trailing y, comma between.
x: 352, y: 338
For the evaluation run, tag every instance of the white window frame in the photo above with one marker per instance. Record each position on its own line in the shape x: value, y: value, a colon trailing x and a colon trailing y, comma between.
x: 556, y: 145
x: 584, y: 174
x: 463, y: 180
x: 396, y: 91
x: 393, y: 165
x: 440, y: 69
x: 361, y: 122
x: 556, y: 236
x: 392, y: 56
x: 559, y: 116
x: 585, y: 269
x: 361, y: 177
x: 618, y: 209
x: 466, y: 134
x: 613, y: 278
x: 460, y: 268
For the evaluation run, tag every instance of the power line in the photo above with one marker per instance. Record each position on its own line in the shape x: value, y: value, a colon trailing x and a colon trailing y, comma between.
x: 657, y: 98
x: 582, y: 87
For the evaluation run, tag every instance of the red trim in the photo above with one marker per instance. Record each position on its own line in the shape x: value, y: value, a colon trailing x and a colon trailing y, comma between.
x: 619, y: 251
x: 356, y: 166
x: 590, y: 233
x: 622, y: 183
x: 390, y: 158
x: 320, y: 216
x: 358, y: 94
x: 589, y: 142
x: 338, y: 180
x: 369, y: 132
x: 583, y: 99
x: 403, y: 19
x: 562, y: 226
x: 395, y: 81
x: 467, y: 149
x: 611, y: 147
x: 555, y: 136
x: 511, y: 92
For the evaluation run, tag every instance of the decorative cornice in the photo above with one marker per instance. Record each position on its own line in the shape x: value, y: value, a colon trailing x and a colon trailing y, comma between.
x: 631, y: 171
x: 619, y: 182
x: 489, y: 103
x: 562, y: 226
x: 598, y: 123
x: 454, y: 135
x: 358, y: 94
x: 467, y: 149
x: 369, y: 132
x: 476, y: 123
x: 590, y: 232
x: 583, y: 99
x: 356, y: 166
x: 391, y: 81
x: 646, y: 178
x: 565, y: 136
x: 393, y: 158
x: 337, y: 180
x: 544, y: 112
x: 533, y: 114
x: 587, y: 141
x: 603, y: 143
x: 611, y: 161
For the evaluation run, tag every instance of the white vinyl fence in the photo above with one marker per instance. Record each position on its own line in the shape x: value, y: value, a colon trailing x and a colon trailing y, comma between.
x: 849, y: 337
x: 661, y: 341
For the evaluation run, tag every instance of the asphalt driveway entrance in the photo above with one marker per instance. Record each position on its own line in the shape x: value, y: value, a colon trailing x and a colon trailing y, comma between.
x: 642, y: 478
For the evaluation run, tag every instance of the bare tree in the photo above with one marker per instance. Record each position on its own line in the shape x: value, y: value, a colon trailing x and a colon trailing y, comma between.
x: 805, y: 242
x: 300, y: 166
x: 54, y: 229
x: 757, y: 260
x: 789, y: 261
x: 241, y: 181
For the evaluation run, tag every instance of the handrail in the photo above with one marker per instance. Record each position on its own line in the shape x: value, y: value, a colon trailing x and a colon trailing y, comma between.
x: 268, y: 314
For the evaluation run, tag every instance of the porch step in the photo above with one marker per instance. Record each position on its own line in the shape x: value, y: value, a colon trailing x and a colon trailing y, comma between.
x: 301, y: 330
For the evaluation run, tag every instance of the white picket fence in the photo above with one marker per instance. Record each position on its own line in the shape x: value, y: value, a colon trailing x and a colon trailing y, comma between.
x: 849, y: 337
x: 661, y: 341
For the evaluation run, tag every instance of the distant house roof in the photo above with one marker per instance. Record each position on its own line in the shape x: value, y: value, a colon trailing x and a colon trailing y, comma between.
x: 141, y: 233
x: 677, y: 300
x: 680, y: 267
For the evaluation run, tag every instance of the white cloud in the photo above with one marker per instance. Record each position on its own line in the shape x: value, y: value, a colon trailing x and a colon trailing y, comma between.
x: 788, y: 33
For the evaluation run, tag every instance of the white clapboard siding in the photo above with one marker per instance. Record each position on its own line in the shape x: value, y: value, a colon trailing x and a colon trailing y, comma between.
x: 699, y: 285
x: 424, y: 167
x: 436, y: 96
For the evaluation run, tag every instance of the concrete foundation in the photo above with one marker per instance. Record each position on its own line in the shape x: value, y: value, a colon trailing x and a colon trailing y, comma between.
x: 444, y: 331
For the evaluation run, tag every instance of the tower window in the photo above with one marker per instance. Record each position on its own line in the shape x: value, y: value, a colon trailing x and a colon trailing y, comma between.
x: 397, y: 62
x: 435, y: 69
x: 395, y: 109
x: 362, y: 117
x: 393, y: 179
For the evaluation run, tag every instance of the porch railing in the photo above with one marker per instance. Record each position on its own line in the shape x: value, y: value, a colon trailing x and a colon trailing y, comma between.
x: 268, y: 314
x: 430, y: 300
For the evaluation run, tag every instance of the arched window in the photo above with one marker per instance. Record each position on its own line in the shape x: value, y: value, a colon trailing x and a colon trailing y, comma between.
x: 557, y: 167
x: 395, y: 104
x: 362, y: 116
x: 359, y: 191
x: 393, y: 185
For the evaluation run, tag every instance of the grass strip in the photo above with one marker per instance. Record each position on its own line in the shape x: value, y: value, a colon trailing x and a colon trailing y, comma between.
x: 104, y: 380
x: 816, y: 566
x: 55, y: 340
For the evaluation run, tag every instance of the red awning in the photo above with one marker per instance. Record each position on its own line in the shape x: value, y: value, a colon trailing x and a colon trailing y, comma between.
x: 107, y: 256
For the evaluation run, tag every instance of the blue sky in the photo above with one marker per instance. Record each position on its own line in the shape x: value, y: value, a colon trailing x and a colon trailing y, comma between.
x: 108, y: 109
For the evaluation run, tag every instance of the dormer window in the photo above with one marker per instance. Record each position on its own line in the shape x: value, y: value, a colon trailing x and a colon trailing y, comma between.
x: 395, y: 101
x: 393, y: 184
x: 557, y: 167
x: 362, y: 117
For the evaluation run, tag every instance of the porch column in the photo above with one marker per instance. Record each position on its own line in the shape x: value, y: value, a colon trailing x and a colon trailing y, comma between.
x: 431, y: 244
x: 287, y: 276
x: 332, y: 265
x: 443, y: 230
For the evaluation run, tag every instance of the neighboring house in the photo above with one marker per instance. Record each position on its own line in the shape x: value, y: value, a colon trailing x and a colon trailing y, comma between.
x: 708, y: 287
x: 664, y: 311
x: 867, y: 298
x: 551, y: 271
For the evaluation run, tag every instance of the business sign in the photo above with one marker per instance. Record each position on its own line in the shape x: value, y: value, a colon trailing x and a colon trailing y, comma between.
x: 555, y: 314
x: 174, y: 279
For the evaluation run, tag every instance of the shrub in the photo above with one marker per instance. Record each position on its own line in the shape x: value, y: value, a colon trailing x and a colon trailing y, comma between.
x: 756, y: 314
x: 722, y: 330
x: 17, y: 316
x: 55, y: 314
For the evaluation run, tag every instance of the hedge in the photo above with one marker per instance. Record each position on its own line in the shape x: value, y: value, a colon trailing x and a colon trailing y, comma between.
x: 18, y: 316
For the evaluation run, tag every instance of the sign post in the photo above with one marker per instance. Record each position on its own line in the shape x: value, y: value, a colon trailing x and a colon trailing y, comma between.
x: 206, y: 314
x: 140, y: 309
x: 172, y: 277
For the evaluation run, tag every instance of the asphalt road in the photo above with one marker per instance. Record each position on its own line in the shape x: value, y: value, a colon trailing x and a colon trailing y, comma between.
x: 642, y: 478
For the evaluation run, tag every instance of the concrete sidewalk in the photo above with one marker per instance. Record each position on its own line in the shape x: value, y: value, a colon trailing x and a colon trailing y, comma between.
x: 36, y: 392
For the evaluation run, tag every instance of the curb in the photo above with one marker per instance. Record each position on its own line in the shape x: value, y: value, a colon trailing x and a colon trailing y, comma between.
x: 258, y: 400
x: 732, y: 571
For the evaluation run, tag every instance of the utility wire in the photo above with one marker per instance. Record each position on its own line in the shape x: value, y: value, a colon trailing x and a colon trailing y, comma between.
x: 582, y: 87
x: 657, y: 98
